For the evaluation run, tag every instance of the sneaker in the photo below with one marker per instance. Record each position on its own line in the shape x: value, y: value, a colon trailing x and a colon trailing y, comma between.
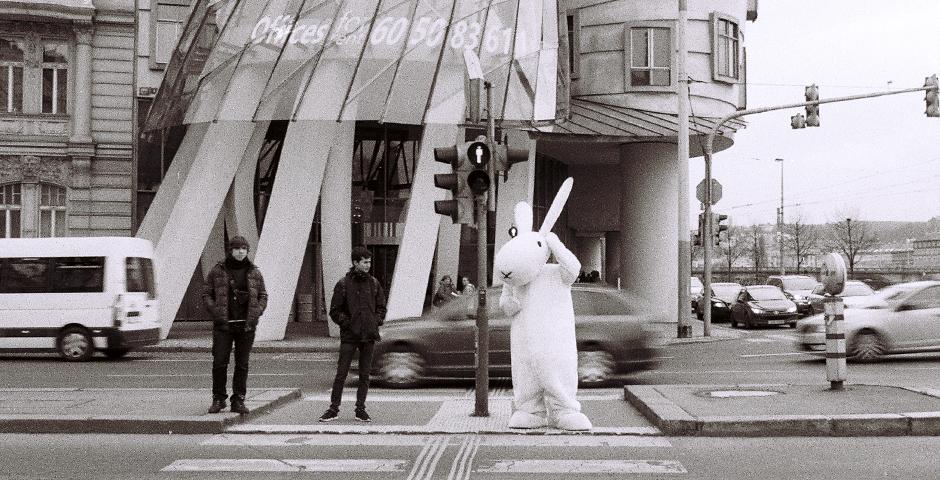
x: 217, y: 406
x: 362, y: 416
x: 329, y: 415
x: 239, y: 407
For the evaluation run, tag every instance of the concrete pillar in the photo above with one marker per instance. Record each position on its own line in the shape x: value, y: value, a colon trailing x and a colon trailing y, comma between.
x: 241, y: 217
x: 289, y: 217
x: 648, y: 242
x: 194, y: 210
x: 81, y: 106
x: 336, y: 214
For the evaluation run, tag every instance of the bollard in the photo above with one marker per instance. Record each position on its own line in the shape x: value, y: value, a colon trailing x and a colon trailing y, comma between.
x: 836, y: 370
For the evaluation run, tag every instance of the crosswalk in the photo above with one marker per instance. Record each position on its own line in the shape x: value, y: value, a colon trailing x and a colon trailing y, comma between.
x: 421, y: 457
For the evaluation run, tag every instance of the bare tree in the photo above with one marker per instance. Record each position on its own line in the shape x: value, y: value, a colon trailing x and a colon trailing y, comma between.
x: 756, y: 248
x: 851, y: 238
x: 733, y: 248
x: 802, y: 239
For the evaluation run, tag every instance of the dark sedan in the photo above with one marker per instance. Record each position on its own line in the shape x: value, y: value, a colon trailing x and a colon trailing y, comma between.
x: 724, y: 295
x: 611, y: 334
x: 763, y: 305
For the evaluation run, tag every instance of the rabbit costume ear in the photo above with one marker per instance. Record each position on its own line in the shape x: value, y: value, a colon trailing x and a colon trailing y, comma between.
x: 523, y: 216
x: 557, y: 205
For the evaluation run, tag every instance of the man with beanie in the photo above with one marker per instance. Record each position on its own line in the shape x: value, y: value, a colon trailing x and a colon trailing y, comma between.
x: 358, y: 307
x: 235, y: 295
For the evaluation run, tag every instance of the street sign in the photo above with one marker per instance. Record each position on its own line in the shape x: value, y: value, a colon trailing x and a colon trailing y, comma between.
x: 832, y: 273
x: 716, y: 191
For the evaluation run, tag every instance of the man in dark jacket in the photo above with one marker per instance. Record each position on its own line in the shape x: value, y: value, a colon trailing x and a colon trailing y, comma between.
x: 358, y: 307
x: 235, y: 295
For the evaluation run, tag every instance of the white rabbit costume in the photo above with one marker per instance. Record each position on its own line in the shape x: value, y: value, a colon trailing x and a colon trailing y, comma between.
x: 537, y: 296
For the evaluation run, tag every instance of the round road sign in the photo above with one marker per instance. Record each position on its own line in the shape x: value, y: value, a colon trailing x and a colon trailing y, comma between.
x: 832, y: 273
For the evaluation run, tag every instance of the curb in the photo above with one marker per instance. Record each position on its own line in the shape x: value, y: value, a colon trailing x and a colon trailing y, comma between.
x: 425, y: 430
x: 256, y: 348
x: 673, y: 420
x: 145, y: 424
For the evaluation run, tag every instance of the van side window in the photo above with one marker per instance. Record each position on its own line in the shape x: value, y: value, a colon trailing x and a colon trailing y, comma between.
x: 24, y: 275
x: 139, y: 273
x: 78, y: 274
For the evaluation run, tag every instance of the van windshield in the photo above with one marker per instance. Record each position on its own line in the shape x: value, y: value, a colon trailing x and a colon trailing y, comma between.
x: 140, y: 276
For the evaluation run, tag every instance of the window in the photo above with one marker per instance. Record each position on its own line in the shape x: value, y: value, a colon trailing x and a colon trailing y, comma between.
x: 11, y: 204
x: 574, y: 44
x: 12, y: 61
x: 649, y: 57
x: 139, y: 273
x: 168, y: 19
x: 51, y: 211
x: 55, y: 77
x: 726, y: 49
x: 78, y: 274
x: 24, y: 275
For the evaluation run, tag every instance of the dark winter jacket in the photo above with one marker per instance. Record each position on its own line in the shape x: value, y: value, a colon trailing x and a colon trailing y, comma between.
x: 358, y: 307
x: 216, y: 294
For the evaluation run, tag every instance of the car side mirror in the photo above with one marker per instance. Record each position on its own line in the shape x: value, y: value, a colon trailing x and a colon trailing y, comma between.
x: 904, y: 307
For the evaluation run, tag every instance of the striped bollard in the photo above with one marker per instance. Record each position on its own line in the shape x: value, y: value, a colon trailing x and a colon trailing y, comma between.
x: 836, y: 370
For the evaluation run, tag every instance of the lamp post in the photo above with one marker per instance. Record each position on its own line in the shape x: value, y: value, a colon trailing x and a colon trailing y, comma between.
x: 780, y: 217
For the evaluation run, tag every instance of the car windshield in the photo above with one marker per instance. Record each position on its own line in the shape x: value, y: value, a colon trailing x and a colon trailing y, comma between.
x: 766, y: 293
x: 856, y: 290
x: 726, y: 291
x: 799, y: 283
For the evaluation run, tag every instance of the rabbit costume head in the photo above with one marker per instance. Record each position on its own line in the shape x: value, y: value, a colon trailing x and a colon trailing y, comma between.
x: 521, y: 259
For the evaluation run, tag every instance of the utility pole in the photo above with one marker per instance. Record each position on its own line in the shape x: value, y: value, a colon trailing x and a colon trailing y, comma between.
x: 780, y: 218
x: 684, y: 328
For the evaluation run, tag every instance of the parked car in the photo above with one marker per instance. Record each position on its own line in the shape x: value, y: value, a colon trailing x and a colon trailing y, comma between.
x: 724, y: 294
x: 796, y: 288
x: 855, y: 294
x: 763, y: 305
x: 612, y: 338
x: 902, y: 318
x: 695, y: 291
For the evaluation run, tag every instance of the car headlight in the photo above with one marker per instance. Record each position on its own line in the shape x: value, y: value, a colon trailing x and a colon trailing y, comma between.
x: 791, y: 309
x: 718, y: 304
x: 757, y: 310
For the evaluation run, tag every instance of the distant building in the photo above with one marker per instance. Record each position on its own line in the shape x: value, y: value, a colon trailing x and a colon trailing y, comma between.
x: 926, y: 253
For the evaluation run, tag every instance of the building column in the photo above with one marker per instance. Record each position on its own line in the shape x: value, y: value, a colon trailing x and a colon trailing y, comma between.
x: 648, y: 242
x: 81, y: 107
x: 81, y: 147
x: 336, y: 214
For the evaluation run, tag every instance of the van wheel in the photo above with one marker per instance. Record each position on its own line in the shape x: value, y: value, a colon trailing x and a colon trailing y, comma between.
x: 595, y: 367
x: 116, y: 352
x: 401, y: 368
x: 75, y: 344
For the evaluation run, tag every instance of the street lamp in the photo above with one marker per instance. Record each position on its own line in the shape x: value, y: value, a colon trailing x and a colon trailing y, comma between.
x: 780, y: 217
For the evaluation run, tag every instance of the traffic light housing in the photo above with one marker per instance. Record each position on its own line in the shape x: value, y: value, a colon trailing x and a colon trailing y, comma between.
x: 505, y: 157
x: 460, y: 206
x: 812, y: 111
x: 478, y: 158
x: 797, y: 121
x: 717, y: 218
x: 931, y: 97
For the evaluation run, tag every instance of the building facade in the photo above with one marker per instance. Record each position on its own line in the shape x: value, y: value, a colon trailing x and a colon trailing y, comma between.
x: 309, y: 130
x: 66, y: 118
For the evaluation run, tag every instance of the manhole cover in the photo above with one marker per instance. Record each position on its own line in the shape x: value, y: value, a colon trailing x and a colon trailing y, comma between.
x: 740, y: 393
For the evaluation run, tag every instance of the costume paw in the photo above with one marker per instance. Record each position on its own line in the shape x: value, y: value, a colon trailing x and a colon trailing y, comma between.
x: 520, y: 419
x: 576, y: 421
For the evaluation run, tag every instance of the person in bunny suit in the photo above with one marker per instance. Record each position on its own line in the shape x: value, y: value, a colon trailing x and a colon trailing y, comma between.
x: 537, y: 296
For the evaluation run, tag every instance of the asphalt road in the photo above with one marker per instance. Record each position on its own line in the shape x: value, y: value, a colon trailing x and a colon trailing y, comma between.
x: 462, y: 456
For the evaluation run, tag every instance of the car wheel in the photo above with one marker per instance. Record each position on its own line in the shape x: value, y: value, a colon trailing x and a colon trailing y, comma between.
x: 75, y: 344
x: 734, y: 321
x: 595, y: 367
x: 401, y: 368
x: 867, y: 347
x: 115, y: 353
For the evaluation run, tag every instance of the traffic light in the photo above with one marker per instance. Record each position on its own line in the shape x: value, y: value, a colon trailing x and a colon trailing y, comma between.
x: 717, y: 218
x: 460, y: 207
x: 797, y: 121
x: 478, y: 156
x: 812, y: 111
x: 505, y: 157
x: 701, y: 229
x: 933, y: 104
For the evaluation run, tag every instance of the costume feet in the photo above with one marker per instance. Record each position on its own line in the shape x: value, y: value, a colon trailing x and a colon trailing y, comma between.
x: 520, y: 419
x: 575, y: 421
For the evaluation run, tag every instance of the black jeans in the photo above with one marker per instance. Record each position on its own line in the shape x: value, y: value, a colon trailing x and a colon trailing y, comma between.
x: 222, y: 342
x: 346, y: 352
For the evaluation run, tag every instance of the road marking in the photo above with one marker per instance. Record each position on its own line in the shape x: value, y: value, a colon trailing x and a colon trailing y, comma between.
x: 443, y: 396
x: 460, y: 468
x: 286, y: 465
x: 490, y: 440
x: 774, y: 354
x: 427, y: 460
x: 584, y: 466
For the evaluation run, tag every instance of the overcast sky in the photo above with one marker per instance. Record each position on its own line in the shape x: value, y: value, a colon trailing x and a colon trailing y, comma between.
x: 872, y: 159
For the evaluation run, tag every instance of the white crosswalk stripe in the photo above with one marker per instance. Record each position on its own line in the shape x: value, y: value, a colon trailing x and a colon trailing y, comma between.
x: 286, y: 465
x: 584, y: 467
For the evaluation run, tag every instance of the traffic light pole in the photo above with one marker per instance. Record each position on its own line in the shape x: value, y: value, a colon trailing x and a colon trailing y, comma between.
x: 482, y: 386
x: 708, y: 238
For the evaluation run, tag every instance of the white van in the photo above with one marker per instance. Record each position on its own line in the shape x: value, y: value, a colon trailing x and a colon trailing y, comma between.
x: 76, y: 295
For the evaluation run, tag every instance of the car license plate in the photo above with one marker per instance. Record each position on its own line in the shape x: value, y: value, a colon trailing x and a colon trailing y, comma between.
x: 775, y: 322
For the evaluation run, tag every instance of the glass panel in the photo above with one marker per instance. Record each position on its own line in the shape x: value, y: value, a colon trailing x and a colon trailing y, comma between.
x: 3, y: 223
x: 659, y: 77
x: 722, y: 52
x: 78, y: 274
x: 639, y: 78
x: 24, y: 275
x: 662, y: 47
x: 54, y: 53
x: 17, y: 89
x: 48, y: 80
x: 45, y: 223
x: 167, y: 34
x: 60, y: 226
x: 14, y: 224
x: 6, y: 84
x: 139, y: 276
x: 639, y: 38
x: 11, y: 50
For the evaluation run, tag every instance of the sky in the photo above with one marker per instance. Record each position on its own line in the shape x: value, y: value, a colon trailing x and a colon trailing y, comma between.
x: 871, y: 159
